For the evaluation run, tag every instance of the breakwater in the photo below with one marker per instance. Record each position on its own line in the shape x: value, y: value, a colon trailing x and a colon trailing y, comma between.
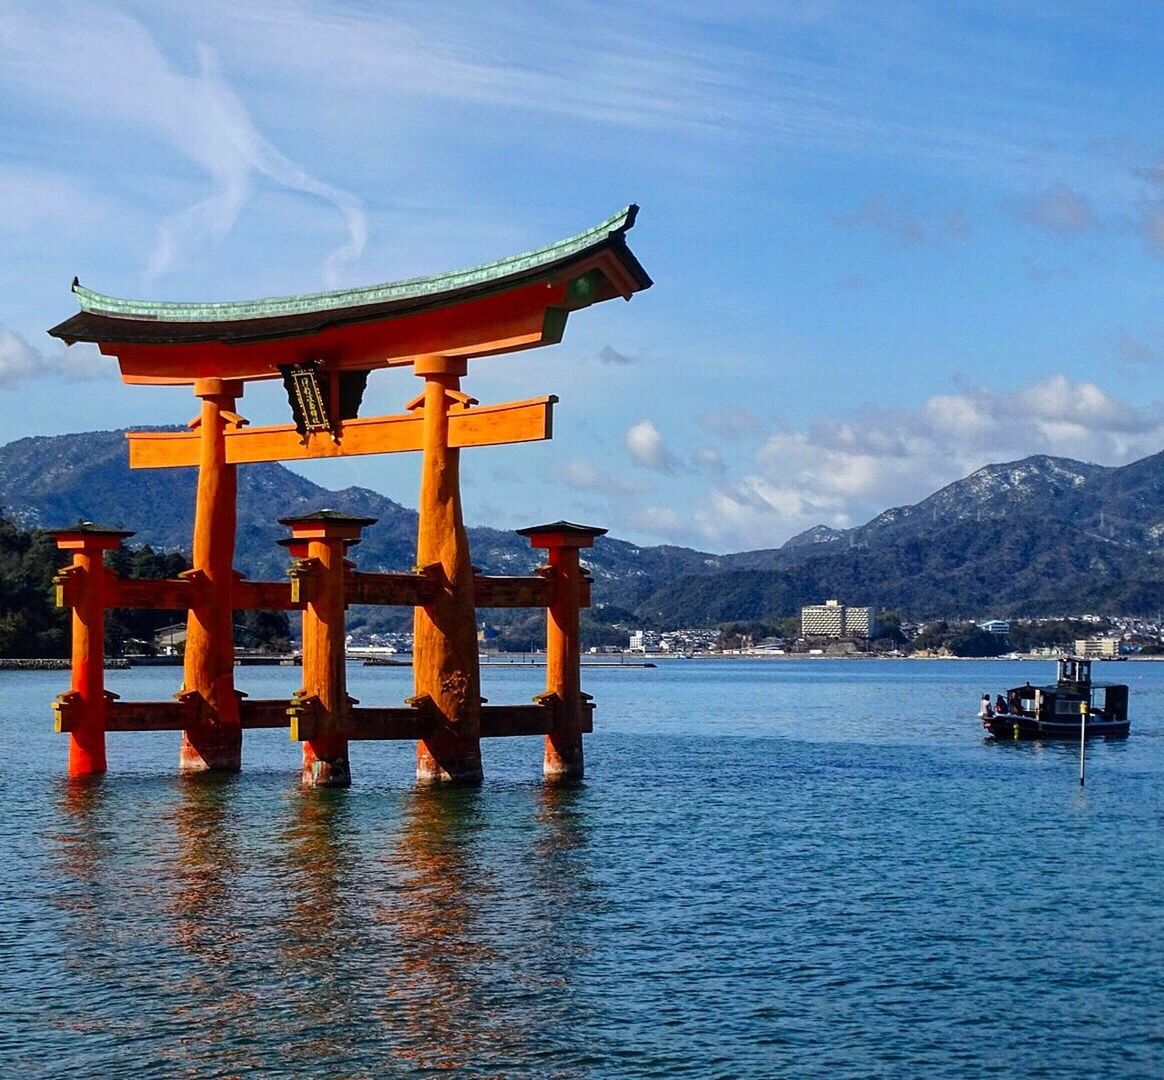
x: 53, y: 664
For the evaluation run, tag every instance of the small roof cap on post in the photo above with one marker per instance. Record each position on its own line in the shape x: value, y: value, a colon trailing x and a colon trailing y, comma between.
x: 317, y: 517
x: 85, y: 534
x: 561, y: 534
x: 326, y: 525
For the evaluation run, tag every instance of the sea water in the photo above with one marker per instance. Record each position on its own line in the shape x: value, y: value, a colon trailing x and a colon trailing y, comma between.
x: 773, y: 868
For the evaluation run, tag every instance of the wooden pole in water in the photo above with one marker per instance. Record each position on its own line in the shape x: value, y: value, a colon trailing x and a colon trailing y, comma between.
x: 86, y: 580
x: 325, y: 535
x: 563, y: 759
x: 444, y: 653
x: 1082, y: 740
x: 214, y: 743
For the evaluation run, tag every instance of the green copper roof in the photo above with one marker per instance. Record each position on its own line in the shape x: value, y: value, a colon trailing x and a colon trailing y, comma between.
x: 414, y: 288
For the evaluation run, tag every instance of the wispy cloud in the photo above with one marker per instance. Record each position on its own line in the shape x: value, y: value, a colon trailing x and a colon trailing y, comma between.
x: 585, y: 476
x: 609, y: 355
x: 222, y: 138
x: 1135, y: 350
x: 730, y: 424
x: 1059, y: 211
x: 900, y: 222
x: 652, y: 67
x: 708, y: 458
x: 131, y: 85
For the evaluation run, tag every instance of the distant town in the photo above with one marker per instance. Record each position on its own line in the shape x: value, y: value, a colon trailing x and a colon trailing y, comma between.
x: 836, y: 629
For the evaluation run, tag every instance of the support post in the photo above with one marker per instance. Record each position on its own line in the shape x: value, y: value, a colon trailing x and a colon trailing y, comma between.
x: 563, y: 754
x: 322, y: 538
x: 83, y: 586
x: 444, y: 656
x: 215, y: 744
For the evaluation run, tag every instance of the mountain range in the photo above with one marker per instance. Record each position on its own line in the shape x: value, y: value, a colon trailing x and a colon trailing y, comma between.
x: 1041, y: 536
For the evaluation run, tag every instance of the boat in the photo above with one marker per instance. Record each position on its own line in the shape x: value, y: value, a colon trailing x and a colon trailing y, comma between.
x: 1056, y: 711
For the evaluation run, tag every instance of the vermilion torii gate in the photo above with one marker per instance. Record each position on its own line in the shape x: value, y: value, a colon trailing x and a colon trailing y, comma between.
x: 323, y: 347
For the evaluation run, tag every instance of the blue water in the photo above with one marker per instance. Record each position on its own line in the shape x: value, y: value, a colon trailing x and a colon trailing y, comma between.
x: 773, y: 869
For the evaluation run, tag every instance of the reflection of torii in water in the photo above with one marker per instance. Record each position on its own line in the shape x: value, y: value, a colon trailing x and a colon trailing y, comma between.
x: 323, y: 346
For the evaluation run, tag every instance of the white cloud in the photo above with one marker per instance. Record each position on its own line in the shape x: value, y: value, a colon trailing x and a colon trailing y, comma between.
x: 20, y: 361
x: 843, y: 471
x: 645, y: 444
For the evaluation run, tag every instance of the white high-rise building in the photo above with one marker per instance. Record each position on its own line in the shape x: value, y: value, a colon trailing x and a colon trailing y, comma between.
x: 837, y: 620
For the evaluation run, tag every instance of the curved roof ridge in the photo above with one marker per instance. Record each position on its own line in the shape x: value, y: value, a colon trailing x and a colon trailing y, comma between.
x: 234, y: 310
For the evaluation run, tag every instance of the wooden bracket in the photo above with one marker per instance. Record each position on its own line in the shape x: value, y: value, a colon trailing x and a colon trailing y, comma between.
x: 434, y: 572
x: 304, y: 713
x: 68, y: 583
x: 302, y: 573
x: 199, y: 710
x: 457, y: 397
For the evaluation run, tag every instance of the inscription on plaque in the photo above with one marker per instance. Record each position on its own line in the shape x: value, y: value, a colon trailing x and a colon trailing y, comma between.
x: 306, y: 394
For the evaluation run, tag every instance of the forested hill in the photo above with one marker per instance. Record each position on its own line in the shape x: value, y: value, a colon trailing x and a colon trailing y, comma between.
x: 1040, y: 536
x: 49, y: 481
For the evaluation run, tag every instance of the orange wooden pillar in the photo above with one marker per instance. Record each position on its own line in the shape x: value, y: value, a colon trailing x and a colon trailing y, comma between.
x: 216, y: 742
x: 83, y: 586
x: 322, y: 538
x: 563, y: 758
x: 444, y: 654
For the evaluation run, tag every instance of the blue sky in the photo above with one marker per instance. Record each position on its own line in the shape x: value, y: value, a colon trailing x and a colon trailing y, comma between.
x: 891, y: 242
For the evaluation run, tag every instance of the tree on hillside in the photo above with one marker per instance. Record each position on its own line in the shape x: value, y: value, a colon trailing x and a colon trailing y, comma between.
x: 972, y: 640
x: 30, y: 623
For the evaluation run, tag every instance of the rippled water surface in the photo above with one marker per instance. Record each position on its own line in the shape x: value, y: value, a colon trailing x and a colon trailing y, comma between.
x: 773, y: 868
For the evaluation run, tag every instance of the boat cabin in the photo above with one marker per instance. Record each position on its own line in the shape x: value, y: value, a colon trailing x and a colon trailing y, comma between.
x: 1061, y: 701
x: 1058, y: 710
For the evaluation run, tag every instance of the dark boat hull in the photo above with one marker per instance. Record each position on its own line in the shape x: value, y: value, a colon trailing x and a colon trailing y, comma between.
x: 1014, y: 726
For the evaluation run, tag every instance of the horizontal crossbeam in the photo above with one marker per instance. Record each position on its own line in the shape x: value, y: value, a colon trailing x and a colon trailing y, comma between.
x: 401, y: 723
x: 511, y: 592
x: 418, y: 722
x: 263, y: 596
x: 400, y: 590
x: 384, y: 590
x: 479, y: 425
x: 179, y: 715
x: 170, y: 593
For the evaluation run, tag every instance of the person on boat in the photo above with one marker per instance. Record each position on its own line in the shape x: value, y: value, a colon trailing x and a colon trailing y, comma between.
x: 984, y: 709
x: 1000, y: 705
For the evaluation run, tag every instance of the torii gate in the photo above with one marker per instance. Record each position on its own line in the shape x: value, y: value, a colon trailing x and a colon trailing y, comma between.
x: 323, y: 346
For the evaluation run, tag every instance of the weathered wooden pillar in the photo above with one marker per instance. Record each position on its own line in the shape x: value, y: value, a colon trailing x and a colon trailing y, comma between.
x: 215, y: 742
x: 444, y: 655
x: 322, y: 538
x: 83, y: 588
x: 563, y: 757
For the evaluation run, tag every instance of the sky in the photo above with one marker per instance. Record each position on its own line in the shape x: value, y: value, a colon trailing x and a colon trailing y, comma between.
x: 891, y: 242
